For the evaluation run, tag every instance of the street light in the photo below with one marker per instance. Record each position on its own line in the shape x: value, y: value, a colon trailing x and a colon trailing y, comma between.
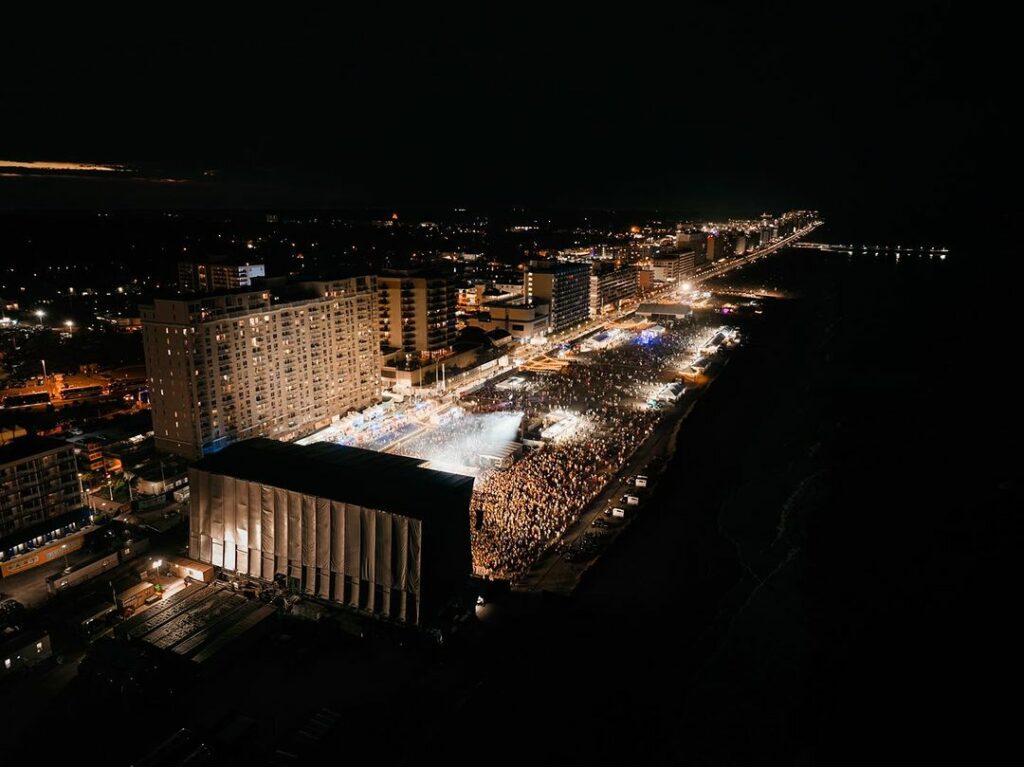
x: 40, y: 314
x: 70, y: 325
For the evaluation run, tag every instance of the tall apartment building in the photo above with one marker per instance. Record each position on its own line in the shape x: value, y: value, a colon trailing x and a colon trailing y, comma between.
x: 417, y: 311
x: 725, y: 246
x: 565, y: 286
x: 279, y: 363
x: 217, y: 274
x: 39, y: 492
x: 687, y: 264
x: 674, y: 266
x: 610, y: 286
x: 697, y: 241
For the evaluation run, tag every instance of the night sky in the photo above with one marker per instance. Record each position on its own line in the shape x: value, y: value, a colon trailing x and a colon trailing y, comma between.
x: 890, y: 113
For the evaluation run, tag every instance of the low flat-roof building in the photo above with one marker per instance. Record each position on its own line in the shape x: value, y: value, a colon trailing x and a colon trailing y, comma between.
x: 196, y: 625
x: 412, y: 373
x: 672, y: 310
x: 373, y: 531
x: 519, y: 317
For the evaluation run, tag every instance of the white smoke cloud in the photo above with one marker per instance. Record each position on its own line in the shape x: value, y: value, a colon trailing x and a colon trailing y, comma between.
x: 462, y: 440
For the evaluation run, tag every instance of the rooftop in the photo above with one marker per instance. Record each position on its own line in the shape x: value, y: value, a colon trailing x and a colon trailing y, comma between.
x: 428, y: 272
x: 556, y: 267
x: 282, y: 290
x: 78, y: 516
x: 382, y: 481
x: 678, y: 310
x: 25, y: 447
x: 197, y: 623
x: 222, y: 259
x: 521, y: 302
x: 672, y: 254
x: 12, y: 642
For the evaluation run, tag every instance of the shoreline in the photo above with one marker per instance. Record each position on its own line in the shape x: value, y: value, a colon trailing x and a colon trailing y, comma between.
x: 542, y: 576
x: 551, y: 572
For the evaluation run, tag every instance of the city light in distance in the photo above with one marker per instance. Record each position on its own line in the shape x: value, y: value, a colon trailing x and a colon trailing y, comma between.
x: 67, y: 166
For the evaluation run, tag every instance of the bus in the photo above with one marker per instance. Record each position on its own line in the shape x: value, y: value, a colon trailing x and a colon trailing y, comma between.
x: 27, y: 400
x: 82, y: 392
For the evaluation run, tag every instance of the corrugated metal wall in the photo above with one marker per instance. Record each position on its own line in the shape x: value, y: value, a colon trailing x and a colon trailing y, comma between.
x: 361, y: 557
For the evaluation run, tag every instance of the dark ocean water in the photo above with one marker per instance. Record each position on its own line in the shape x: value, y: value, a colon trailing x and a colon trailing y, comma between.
x: 822, y: 576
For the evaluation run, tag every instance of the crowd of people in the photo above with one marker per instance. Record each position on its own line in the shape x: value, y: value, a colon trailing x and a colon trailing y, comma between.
x: 518, y: 512
x: 522, y: 509
x: 618, y: 378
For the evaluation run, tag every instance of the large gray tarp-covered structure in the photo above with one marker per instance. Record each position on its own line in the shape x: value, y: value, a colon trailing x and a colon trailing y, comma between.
x: 370, y: 530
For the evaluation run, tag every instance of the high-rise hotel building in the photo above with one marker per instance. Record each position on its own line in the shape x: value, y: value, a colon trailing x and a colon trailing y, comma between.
x: 565, y: 286
x: 610, y: 285
x: 674, y: 266
x: 417, y: 311
x: 217, y: 274
x: 278, y: 362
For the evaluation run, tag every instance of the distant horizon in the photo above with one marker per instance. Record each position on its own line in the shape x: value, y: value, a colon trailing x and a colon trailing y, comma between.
x: 720, y: 111
x: 930, y: 231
